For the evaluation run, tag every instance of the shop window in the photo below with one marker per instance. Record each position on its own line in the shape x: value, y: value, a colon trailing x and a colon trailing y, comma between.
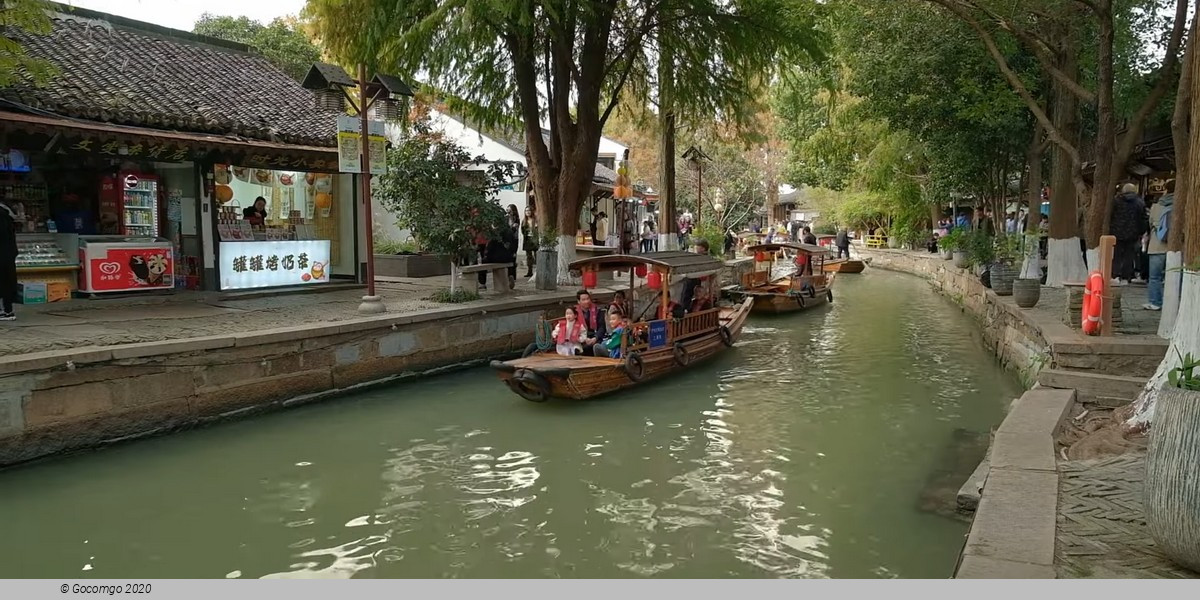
x: 296, y: 207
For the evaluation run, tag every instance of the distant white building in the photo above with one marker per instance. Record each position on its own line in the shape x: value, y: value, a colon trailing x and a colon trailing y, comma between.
x: 495, y: 149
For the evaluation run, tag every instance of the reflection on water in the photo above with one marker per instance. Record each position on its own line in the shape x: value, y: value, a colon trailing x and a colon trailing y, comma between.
x: 805, y: 452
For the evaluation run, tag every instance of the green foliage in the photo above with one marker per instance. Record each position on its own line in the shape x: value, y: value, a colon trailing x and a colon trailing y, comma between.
x: 715, y: 237
x: 1008, y: 249
x: 955, y: 240
x: 387, y: 246
x: 548, y: 238
x: 15, y: 64
x: 1183, y: 376
x: 434, y: 192
x: 825, y: 229
x: 459, y: 296
x: 282, y: 41
x: 980, y: 248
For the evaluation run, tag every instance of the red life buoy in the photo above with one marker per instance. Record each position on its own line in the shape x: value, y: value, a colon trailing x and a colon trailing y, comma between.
x: 1093, y: 302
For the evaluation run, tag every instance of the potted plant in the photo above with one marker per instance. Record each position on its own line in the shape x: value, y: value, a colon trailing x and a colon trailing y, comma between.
x: 1028, y: 290
x: 545, y: 273
x: 954, y: 242
x: 405, y: 259
x: 981, y: 252
x: 1172, y: 489
x: 1006, y: 253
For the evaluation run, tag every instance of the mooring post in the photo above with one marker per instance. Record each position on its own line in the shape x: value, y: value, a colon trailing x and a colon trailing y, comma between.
x: 1107, y: 243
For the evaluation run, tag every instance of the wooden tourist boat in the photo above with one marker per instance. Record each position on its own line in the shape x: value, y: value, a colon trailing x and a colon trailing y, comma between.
x: 659, y: 346
x: 799, y: 290
x: 844, y: 265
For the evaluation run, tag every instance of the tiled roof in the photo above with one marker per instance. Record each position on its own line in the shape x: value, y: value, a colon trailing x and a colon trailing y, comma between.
x: 114, y: 70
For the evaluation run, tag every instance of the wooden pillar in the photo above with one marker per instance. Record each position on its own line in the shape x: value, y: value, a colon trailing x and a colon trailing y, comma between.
x: 1107, y: 242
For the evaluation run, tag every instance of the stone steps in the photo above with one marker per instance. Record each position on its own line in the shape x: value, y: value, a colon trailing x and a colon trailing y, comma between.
x: 1126, y: 356
x: 1098, y: 388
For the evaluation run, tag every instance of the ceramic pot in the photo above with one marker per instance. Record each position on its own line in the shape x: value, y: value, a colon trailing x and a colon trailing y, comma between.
x: 546, y: 270
x: 1027, y: 292
x: 1002, y: 279
x: 960, y: 259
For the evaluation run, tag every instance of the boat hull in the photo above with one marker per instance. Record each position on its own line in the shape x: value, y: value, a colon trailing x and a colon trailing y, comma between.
x: 844, y: 265
x: 783, y: 303
x: 541, y: 377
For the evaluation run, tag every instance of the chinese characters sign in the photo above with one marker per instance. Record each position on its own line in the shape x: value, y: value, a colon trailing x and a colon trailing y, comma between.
x: 658, y: 334
x: 350, y: 149
x: 165, y: 151
x: 247, y: 265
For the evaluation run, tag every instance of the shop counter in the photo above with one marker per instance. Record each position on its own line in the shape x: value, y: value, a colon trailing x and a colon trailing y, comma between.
x: 125, y: 264
x: 47, y: 262
x: 276, y: 263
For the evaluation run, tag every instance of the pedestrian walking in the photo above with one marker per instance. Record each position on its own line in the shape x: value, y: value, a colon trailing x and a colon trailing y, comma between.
x: 1127, y: 224
x: 8, y: 260
x: 1156, y: 249
x: 529, y: 239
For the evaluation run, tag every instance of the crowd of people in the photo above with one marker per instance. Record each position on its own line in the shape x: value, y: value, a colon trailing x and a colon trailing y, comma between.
x: 1140, y: 255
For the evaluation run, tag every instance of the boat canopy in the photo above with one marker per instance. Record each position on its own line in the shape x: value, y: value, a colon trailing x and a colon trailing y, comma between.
x: 800, y: 248
x: 679, y: 263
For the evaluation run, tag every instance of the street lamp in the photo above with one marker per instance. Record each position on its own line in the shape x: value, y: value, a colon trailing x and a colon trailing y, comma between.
x: 696, y: 157
x: 331, y: 87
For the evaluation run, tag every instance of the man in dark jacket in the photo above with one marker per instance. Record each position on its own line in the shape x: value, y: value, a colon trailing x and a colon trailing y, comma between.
x: 501, y: 249
x: 8, y: 260
x: 1128, y: 223
x: 843, y: 242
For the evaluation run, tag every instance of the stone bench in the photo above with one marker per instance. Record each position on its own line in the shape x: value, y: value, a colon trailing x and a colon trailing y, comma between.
x: 499, y: 272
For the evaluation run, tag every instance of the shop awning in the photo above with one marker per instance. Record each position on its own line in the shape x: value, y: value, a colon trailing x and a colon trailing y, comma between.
x: 123, y: 141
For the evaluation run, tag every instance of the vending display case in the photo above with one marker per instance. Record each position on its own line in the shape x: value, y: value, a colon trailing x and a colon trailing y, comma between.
x: 130, y: 205
x: 125, y: 264
x: 48, y: 260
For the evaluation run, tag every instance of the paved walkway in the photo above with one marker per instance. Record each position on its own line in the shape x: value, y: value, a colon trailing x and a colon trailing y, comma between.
x: 182, y: 315
x: 1101, y: 529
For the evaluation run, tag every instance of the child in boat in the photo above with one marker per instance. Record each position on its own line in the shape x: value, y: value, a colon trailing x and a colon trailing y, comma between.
x: 611, y: 346
x: 569, y: 334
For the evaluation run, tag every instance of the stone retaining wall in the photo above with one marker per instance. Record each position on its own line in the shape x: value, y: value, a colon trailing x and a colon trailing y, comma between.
x: 1013, y: 334
x: 52, y: 402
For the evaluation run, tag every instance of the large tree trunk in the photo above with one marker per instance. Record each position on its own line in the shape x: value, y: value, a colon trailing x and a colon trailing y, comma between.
x: 1105, y: 176
x: 668, y: 228
x: 1063, y: 255
x: 1173, y: 278
x: 1185, y: 337
x: 1032, y: 268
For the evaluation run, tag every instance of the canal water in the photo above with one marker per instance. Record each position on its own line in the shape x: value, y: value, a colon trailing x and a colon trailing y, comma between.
x: 825, y: 444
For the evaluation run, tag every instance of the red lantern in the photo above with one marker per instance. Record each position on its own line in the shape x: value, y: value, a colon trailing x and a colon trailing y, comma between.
x: 654, y: 280
x: 640, y: 270
x: 760, y: 257
x: 589, y: 279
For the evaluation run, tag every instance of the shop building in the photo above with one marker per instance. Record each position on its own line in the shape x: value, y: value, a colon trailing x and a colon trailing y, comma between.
x: 136, y: 163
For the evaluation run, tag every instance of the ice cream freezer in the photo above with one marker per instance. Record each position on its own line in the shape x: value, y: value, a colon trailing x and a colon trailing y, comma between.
x: 125, y: 264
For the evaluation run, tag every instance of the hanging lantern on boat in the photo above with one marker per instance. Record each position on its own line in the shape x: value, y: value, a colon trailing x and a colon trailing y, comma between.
x: 760, y: 257
x: 589, y: 279
x: 640, y: 270
x: 654, y: 280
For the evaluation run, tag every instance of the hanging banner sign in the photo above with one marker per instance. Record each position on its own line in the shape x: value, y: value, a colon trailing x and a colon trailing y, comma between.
x: 172, y: 152
x: 350, y: 148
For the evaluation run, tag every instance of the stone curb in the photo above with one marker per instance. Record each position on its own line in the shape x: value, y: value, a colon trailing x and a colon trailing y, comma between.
x: 38, y: 361
x: 1012, y: 535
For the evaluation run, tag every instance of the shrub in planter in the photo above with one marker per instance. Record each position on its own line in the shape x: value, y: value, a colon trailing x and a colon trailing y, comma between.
x: 961, y: 259
x: 1172, y: 489
x: 1027, y: 292
x: 1006, y: 251
x: 545, y: 272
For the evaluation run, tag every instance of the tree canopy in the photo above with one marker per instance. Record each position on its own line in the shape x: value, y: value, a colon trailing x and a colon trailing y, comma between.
x: 282, y: 41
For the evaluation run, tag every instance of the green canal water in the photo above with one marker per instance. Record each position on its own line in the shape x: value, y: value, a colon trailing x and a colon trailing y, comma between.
x: 821, y: 446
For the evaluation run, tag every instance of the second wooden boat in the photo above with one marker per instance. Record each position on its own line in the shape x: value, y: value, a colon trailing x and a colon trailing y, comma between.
x: 844, y: 265
x: 808, y: 286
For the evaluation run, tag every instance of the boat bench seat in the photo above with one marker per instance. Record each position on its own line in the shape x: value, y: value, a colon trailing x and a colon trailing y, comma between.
x: 499, y: 273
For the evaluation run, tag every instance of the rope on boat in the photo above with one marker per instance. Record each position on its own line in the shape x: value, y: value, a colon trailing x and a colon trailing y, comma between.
x: 543, y: 336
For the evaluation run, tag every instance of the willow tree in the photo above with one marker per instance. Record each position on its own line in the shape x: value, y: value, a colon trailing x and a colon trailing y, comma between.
x: 565, y: 64
x: 1033, y: 23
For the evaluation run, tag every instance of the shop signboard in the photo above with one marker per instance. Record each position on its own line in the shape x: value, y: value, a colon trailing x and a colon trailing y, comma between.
x: 163, y: 151
x: 658, y: 334
x: 246, y: 265
x: 126, y: 268
x: 350, y: 150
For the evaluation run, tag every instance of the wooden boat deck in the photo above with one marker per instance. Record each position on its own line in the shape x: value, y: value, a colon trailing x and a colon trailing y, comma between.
x: 553, y: 360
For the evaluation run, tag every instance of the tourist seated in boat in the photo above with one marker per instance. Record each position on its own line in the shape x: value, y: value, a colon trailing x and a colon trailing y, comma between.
x: 593, y: 320
x: 611, y: 345
x: 569, y: 334
x: 620, y: 303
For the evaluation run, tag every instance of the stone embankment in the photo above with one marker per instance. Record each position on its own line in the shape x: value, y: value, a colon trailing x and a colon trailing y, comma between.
x: 62, y: 400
